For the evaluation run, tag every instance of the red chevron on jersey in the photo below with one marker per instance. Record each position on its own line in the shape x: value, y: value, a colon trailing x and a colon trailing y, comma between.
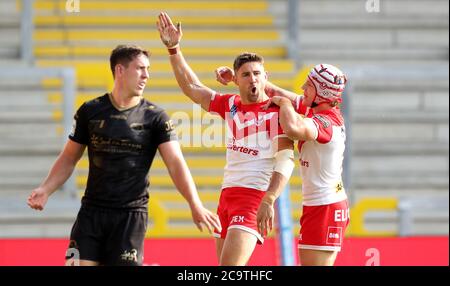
x: 250, y: 135
x: 244, y: 125
x: 246, y: 119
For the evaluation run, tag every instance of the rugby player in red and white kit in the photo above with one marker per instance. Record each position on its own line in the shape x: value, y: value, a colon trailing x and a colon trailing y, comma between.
x: 259, y: 155
x: 315, y: 120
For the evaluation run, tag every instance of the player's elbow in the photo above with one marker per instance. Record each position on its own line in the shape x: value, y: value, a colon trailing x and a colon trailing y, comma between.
x: 188, y: 92
x: 294, y: 131
x: 193, y: 91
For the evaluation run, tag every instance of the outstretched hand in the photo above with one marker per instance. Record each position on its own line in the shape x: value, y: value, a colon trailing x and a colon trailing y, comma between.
x: 276, y: 100
x: 224, y: 75
x: 265, y: 218
x: 203, y: 216
x: 37, y: 199
x: 170, y: 35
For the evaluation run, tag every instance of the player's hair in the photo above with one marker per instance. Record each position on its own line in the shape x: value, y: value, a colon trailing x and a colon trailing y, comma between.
x: 246, y: 57
x: 124, y: 54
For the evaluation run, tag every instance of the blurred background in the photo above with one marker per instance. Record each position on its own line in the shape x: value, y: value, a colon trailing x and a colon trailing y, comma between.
x: 54, y: 55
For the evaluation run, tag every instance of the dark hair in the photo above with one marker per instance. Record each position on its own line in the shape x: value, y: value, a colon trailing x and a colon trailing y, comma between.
x: 246, y: 57
x: 124, y: 54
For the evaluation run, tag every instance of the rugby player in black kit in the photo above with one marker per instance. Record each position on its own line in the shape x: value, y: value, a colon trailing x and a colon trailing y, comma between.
x: 122, y: 132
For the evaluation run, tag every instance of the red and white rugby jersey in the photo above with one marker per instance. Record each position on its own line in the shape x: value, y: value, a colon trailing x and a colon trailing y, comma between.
x: 321, y: 160
x: 250, y: 132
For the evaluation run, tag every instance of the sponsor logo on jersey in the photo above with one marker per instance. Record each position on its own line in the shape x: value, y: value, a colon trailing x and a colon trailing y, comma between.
x: 324, y: 121
x: 233, y: 110
x: 334, y: 235
x: 129, y: 255
x: 339, y: 187
x: 237, y: 219
x: 244, y: 150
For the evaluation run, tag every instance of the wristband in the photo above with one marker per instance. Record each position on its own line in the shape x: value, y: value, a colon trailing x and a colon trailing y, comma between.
x: 173, y: 50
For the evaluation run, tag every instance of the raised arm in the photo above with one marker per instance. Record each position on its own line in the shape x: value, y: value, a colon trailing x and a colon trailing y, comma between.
x: 284, y: 164
x: 293, y: 124
x: 181, y: 176
x: 58, y: 175
x: 186, y: 78
x: 274, y: 90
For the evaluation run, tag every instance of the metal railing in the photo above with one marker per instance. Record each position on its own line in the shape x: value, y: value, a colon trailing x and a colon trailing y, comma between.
x: 284, y: 221
x: 26, y: 32
x: 293, y: 31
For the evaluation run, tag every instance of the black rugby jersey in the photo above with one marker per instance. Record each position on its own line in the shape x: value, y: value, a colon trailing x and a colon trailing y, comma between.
x: 121, y: 147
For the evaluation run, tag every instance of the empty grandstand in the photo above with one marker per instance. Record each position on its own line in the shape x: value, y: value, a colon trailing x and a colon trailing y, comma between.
x: 53, y: 59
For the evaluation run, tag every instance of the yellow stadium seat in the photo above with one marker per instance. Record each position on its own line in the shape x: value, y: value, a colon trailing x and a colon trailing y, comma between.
x: 45, y: 51
x: 139, y: 21
x: 130, y: 35
x: 154, y: 6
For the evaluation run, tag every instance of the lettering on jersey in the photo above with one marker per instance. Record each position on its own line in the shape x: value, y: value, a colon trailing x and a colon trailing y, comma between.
x: 97, y: 123
x: 341, y: 215
x: 237, y: 218
x: 325, y: 122
x: 304, y: 163
x: 169, y: 125
x: 106, y: 144
x: 334, y: 235
x: 242, y: 149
